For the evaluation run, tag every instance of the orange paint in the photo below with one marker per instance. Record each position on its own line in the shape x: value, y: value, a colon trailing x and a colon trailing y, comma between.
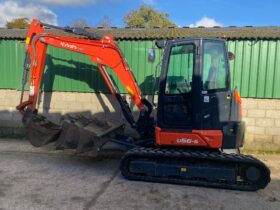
x: 103, y: 52
x: 196, y: 138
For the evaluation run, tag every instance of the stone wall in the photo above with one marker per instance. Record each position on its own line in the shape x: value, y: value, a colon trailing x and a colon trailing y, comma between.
x: 262, y: 116
x: 55, y: 104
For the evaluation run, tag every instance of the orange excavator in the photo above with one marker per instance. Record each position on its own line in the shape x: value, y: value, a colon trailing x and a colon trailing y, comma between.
x: 198, y: 116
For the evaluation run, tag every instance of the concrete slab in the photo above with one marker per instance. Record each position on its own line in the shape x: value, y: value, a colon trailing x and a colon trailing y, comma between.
x: 37, y: 178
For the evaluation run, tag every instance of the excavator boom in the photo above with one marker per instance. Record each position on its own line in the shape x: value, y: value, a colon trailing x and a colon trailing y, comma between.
x: 103, y: 52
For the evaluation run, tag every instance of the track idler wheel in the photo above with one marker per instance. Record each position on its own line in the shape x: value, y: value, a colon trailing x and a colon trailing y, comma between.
x: 253, y: 174
x: 40, y: 131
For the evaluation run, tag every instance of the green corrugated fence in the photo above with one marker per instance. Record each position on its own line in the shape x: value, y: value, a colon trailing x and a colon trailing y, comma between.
x: 255, y: 70
x: 11, y: 63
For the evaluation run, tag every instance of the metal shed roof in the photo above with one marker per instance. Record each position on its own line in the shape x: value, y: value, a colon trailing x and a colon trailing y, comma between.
x: 248, y: 32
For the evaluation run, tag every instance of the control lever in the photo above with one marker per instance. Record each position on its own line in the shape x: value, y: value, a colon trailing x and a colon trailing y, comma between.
x: 26, y: 67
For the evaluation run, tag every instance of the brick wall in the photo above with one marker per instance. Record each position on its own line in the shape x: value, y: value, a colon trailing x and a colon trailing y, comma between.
x: 55, y: 104
x: 262, y: 116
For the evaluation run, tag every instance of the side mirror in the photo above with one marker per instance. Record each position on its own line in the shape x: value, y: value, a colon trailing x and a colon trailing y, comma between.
x: 160, y: 43
x: 151, y: 55
x: 231, y: 56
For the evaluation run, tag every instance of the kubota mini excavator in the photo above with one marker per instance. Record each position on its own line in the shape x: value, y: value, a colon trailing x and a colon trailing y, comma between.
x: 198, y: 116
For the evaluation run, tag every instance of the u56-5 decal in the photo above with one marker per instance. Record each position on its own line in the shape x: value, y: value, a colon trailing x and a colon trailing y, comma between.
x: 187, y: 141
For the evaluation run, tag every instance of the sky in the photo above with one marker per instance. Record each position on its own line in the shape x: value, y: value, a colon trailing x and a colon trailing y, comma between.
x: 182, y: 12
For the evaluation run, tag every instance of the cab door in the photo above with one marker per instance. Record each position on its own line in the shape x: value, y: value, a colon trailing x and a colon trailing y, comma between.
x: 215, y: 95
x: 177, y: 94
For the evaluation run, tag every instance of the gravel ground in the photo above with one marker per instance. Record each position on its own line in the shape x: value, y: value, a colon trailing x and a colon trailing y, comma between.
x: 32, y: 178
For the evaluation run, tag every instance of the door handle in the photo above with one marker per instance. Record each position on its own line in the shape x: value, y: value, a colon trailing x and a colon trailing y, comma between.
x: 228, y: 96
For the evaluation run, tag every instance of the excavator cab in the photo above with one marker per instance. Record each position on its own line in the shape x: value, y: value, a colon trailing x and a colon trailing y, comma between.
x: 195, y: 96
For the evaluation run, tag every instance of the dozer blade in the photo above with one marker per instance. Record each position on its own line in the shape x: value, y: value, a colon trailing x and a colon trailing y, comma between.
x: 84, y: 134
x: 40, y: 131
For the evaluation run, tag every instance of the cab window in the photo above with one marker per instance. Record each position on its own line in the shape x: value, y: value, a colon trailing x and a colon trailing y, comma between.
x: 215, y: 73
x: 180, y: 70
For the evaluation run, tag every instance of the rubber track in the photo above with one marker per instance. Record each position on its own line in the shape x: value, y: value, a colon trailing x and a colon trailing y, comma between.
x: 238, y: 160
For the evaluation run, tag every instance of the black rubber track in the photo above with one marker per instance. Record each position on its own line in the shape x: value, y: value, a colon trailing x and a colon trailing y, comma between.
x: 238, y: 161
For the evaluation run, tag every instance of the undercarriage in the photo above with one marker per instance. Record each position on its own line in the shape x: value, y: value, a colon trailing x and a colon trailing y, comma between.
x: 144, y: 161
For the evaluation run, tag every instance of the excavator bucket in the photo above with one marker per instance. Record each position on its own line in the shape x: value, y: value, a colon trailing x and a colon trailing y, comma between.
x: 40, y: 131
x: 77, y: 132
x: 85, y: 134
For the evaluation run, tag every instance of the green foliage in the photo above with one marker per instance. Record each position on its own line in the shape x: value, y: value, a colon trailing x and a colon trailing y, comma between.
x: 18, y: 23
x: 147, y: 17
x: 259, y: 151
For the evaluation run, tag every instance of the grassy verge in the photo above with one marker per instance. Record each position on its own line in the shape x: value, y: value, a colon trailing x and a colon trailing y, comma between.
x: 259, y: 151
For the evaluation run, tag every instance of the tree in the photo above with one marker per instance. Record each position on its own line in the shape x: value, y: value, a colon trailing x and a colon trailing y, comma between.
x: 105, y: 23
x: 18, y: 23
x: 147, y: 17
x: 80, y: 23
